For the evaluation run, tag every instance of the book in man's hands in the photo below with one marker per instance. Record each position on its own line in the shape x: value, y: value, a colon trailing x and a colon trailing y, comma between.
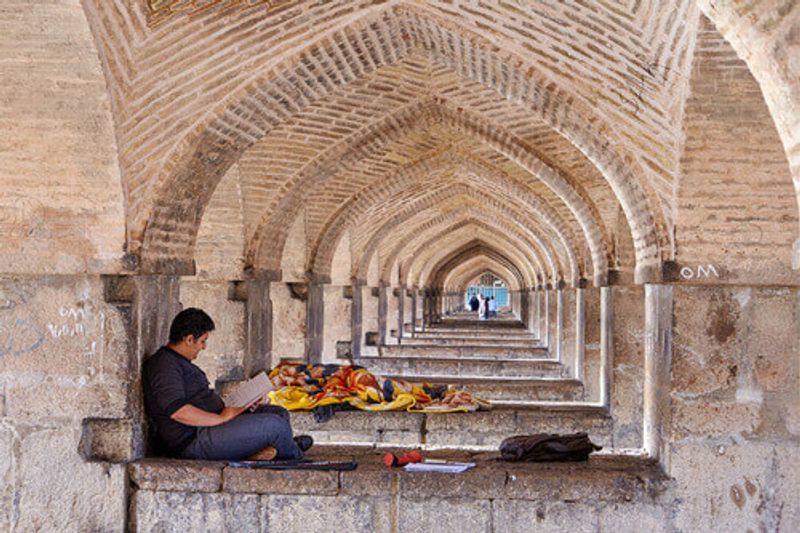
x: 249, y: 391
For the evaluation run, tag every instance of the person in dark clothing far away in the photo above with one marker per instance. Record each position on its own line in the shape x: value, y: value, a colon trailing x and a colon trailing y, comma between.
x: 191, y: 421
x: 474, y: 303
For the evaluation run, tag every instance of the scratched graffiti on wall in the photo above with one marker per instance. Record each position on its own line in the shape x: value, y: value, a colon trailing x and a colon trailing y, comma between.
x: 20, y: 333
x: 83, y: 321
x: 19, y: 336
x: 700, y: 272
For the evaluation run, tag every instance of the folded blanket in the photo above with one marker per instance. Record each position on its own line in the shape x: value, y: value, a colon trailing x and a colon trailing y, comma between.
x: 303, y: 387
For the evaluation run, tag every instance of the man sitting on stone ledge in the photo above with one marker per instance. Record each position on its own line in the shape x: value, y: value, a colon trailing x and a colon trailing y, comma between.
x: 191, y: 421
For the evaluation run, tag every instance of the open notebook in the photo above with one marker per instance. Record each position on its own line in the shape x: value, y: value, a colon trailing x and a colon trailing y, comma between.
x: 247, y: 392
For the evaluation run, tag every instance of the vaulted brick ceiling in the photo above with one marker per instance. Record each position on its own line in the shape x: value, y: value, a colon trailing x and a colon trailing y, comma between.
x: 403, y: 123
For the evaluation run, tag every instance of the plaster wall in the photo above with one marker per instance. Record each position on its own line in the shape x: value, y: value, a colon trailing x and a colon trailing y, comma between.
x: 337, y: 321
x: 61, y: 197
x: 222, y: 359
x: 369, y: 319
x: 288, y: 324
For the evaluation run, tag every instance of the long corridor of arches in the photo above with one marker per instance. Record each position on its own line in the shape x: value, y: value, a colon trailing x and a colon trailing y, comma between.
x: 332, y: 182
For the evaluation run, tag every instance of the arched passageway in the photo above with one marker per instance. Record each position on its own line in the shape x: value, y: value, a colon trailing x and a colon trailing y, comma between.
x: 333, y: 181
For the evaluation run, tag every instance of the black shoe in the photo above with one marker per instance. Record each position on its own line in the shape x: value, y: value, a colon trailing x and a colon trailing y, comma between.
x: 304, y: 442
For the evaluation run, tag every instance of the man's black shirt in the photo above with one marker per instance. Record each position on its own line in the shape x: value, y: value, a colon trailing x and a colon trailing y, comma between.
x: 170, y: 381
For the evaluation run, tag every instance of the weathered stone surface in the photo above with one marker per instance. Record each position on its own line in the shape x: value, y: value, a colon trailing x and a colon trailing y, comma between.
x: 8, y: 467
x: 370, y: 480
x: 186, y: 511
x: 75, y: 495
x: 482, y: 482
x: 704, y: 339
x: 710, y: 418
x: 723, y: 487
x: 359, y: 421
x: 176, y: 475
x: 265, y: 481
x: 109, y: 440
x: 632, y: 517
x: 301, y: 514
x: 288, y: 324
x: 60, y: 325
x: 222, y: 359
x: 524, y: 516
x: 337, y: 322
x: 472, y: 516
x: 774, y: 333
x: 781, y: 505
x: 626, y: 405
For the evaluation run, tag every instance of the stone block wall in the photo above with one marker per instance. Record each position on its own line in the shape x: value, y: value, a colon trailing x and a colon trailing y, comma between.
x: 64, y: 357
x: 734, y: 407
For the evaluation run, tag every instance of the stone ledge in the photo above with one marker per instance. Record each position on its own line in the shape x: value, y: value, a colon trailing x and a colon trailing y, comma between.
x: 176, y: 475
x: 609, y: 478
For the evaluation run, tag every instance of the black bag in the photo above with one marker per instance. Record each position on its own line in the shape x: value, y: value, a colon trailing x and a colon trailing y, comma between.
x: 544, y: 447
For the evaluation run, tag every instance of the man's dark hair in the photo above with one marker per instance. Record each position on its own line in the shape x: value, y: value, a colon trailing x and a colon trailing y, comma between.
x: 190, y: 321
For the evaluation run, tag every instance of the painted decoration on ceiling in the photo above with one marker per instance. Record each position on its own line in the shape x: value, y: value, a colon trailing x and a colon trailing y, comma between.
x: 159, y: 11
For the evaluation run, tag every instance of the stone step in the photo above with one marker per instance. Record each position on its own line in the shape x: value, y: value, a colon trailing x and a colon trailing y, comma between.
x: 458, y: 366
x: 477, y: 336
x: 474, y: 325
x: 502, y: 352
x: 467, y: 341
x: 482, y: 429
x: 513, y: 389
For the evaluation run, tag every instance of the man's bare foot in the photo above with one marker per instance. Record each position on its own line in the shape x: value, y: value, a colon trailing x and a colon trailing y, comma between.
x: 267, y: 454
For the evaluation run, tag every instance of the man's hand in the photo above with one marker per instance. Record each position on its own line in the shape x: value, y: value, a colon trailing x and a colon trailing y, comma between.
x: 264, y: 400
x: 229, y: 413
x: 194, y: 416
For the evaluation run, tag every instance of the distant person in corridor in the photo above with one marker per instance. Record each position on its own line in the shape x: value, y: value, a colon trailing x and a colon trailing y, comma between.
x: 191, y: 421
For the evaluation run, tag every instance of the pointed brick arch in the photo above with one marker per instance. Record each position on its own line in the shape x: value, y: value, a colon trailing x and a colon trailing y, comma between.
x: 472, y: 249
x: 412, y: 270
x: 164, y: 223
x: 419, y: 268
x: 423, y: 250
x: 421, y: 115
x: 425, y: 235
x: 400, y: 217
x: 460, y: 276
x: 323, y: 248
x: 767, y: 37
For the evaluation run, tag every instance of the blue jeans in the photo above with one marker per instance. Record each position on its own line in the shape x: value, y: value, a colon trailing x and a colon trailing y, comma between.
x: 245, y: 435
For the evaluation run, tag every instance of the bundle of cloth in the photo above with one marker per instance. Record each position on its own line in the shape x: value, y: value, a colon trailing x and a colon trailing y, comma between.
x: 307, y: 387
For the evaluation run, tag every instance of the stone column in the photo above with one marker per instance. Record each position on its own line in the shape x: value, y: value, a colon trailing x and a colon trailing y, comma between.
x: 544, y: 324
x: 657, y: 368
x: 413, y: 311
x: 524, y: 307
x: 355, y: 319
x: 155, y: 302
x: 559, y: 337
x: 258, y: 324
x: 606, y: 345
x: 315, y: 322
x: 580, y: 332
x: 383, y: 310
x: 401, y: 308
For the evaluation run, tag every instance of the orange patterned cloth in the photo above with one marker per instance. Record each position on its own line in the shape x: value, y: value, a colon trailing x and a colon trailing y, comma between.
x: 303, y: 387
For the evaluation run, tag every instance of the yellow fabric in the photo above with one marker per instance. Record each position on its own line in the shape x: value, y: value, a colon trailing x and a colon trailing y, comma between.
x: 302, y: 387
